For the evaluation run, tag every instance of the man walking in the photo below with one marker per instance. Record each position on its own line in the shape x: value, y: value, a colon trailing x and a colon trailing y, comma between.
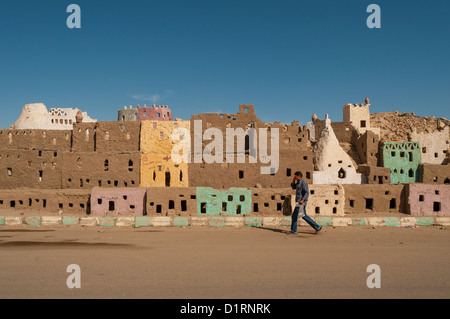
x: 301, y: 199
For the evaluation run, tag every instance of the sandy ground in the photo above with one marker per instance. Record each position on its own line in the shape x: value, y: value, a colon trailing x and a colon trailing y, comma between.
x: 224, y: 262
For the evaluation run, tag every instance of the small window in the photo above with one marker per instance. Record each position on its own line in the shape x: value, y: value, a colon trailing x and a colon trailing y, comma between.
x: 241, y: 174
x: 436, y: 206
x: 112, y: 205
x: 369, y: 203
x: 392, y: 204
x: 183, y: 205
x: 288, y: 172
x: 363, y: 123
x: 171, y: 204
x: 203, y: 208
x: 230, y: 198
x: 255, y: 207
x: 224, y: 206
x: 242, y: 198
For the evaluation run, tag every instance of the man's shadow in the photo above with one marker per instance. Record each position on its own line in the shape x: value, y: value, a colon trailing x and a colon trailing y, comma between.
x: 287, y: 232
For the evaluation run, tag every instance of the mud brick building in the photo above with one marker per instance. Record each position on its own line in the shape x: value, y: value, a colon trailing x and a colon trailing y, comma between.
x: 126, y: 167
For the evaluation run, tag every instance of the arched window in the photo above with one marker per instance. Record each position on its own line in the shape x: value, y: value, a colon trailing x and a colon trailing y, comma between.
x: 341, y: 173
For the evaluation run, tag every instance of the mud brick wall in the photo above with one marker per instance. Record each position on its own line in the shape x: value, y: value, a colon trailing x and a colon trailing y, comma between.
x: 30, y: 168
x: 117, y: 136
x: 84, y: 137
x: 179, y: 201
x: 85, y: 170
x: 118, y: 201
x: 434, y: 173
x: 295, y: 153
x: 230, y: 202
x: 344, y: 131
x: 127, y: 114
x: 325, y: 200
x: 367, y: 145
x: 53, y: 201
x: 375, y: 198
x: 272, y: 201
x: 403, y: 158
x: 375, y: 174
x: 157, y: 166
x: 35, y: 140
x: 428, y: 200
x: 160, y: 113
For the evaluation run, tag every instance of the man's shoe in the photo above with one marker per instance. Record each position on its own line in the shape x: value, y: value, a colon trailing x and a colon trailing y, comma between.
x: 293, y: 233
x: 318, y: 230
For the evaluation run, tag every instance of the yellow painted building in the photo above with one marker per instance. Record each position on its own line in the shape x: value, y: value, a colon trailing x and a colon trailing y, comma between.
x: 157, y: 167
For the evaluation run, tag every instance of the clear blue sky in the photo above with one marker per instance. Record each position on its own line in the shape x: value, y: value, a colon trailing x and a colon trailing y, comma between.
x: 290, y: 58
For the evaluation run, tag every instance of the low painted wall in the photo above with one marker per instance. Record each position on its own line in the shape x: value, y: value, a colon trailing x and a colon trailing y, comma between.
x: 429, y: 200
x: 233, y: 201
x: 324, y: 200
x: 118, y: 201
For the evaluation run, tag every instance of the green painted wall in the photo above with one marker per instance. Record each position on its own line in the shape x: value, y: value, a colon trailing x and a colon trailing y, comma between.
x: 403, y: 158
x: 234, y: 201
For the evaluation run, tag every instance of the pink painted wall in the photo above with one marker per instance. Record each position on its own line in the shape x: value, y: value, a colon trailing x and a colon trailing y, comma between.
x: 159, y: 113
x: 429, y: 200
x: 118, y: 201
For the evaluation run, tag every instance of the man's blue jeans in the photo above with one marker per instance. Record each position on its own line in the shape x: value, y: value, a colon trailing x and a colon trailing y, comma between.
x: 306, y: 218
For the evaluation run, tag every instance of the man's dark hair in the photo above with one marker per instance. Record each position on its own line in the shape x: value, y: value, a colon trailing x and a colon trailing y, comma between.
x: 298, y: 173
